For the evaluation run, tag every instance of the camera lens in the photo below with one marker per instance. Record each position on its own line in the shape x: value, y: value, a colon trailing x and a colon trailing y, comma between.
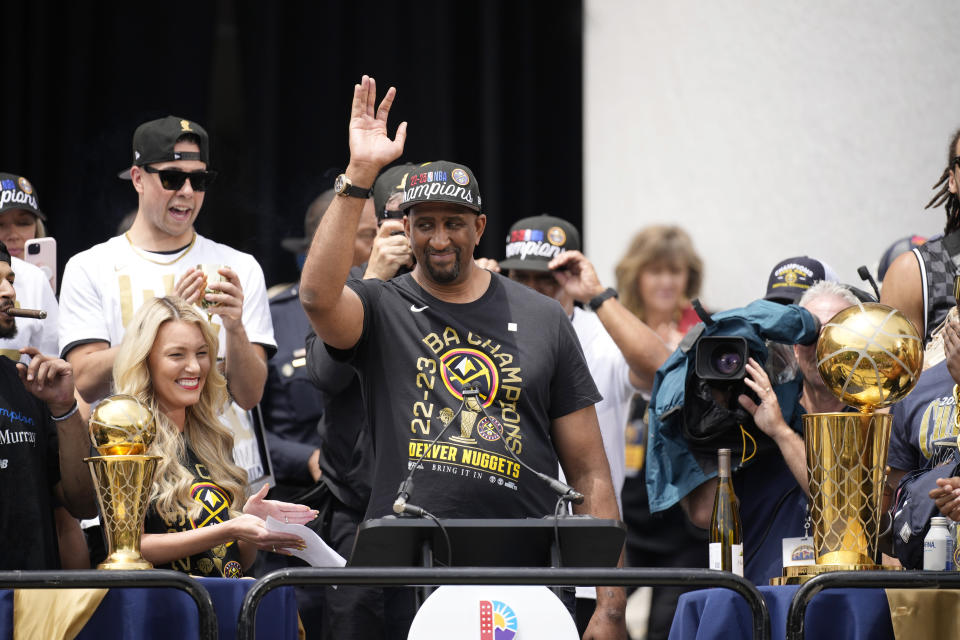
x: 726, y: 362
x: 33, y: 249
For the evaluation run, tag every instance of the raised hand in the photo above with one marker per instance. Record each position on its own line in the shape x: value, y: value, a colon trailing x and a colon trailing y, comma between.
x: 370, y: 145
x: 391, y: 250
x: 286, y: 512
x: 576, y: 275
x: 488, y: 263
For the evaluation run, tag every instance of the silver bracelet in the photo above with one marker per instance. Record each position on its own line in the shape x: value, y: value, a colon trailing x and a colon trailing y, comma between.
x: 68, y: 414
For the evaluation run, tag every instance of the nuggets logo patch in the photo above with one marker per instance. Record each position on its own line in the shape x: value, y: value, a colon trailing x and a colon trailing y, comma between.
x: 557, y: 236
x: 25, y: 186
x: 459, y: 367
x: 214, y: 501
x: 460, y: 177
x: 489, y: 428
x: 232, y: 570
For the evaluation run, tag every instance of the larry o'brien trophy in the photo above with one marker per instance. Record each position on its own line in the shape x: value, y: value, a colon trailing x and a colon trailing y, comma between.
x: 870, y: 356
x: 122, y: 429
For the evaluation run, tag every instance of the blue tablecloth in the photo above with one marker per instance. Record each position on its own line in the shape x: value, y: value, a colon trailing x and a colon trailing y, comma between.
x: 843, y: 614
x: 140, y: 614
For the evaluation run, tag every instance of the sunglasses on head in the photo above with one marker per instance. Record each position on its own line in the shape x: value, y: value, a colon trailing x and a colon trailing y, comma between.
x: 173, y: 179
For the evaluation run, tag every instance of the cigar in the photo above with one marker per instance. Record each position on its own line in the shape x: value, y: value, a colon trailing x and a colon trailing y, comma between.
x: 36, y: 314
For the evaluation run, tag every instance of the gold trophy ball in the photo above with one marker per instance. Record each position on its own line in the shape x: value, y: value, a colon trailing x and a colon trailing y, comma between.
x: 870, y: 356
x: 121, y: 425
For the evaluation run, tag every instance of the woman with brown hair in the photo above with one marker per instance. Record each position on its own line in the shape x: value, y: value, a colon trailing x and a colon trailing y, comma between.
x: 659, y: 275
x: 657, y: 278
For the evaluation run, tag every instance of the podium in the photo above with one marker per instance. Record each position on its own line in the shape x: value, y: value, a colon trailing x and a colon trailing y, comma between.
x: 526, y: 542
x: 584, y: 541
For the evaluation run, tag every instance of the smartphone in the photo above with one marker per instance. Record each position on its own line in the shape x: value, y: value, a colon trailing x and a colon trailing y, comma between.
x: 43, y: 253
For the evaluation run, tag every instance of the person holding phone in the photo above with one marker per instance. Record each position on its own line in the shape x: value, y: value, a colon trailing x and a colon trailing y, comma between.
x: 20, y: 220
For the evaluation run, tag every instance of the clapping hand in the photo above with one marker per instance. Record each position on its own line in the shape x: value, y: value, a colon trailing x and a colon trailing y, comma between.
x: 286, y: 512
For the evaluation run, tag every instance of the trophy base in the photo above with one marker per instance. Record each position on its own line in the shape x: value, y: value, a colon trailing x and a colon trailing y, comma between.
x: 799, y: 575
x: 124, y: 562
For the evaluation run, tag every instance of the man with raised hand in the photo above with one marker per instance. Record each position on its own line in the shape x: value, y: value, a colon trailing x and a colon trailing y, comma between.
x: 418, y: 339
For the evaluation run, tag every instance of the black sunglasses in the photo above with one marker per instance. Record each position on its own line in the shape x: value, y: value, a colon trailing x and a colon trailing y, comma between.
x: 956, y: 161
x: 173, y: 179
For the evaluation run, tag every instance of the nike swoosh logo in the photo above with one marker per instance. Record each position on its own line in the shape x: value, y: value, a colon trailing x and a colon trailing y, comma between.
x: 416, y: 309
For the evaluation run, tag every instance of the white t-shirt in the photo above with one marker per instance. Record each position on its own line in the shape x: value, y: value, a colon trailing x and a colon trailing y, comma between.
x: 104, y: 286
x: 33, y: 292
x: 612, y: 376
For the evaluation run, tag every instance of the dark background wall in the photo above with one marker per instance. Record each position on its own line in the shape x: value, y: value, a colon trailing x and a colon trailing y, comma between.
x: 493, y: 84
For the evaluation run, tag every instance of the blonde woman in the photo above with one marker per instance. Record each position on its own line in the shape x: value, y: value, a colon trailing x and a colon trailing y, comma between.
x: 168, y: 361
x: 658, y: 277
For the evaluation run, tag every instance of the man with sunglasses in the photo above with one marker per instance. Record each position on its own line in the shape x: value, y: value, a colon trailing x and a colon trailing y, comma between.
x: 160, y: 255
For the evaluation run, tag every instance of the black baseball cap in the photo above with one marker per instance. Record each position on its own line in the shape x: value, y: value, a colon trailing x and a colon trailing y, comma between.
x: 388, y: 183
x: 16, y: 192
x: 792, y: 277
x: 533, y: 242
x: 441, y: 181
x: 154, y: 141
x: 4, y: 254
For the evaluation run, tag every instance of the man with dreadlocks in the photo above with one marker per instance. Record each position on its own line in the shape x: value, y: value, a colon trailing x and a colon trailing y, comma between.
x: 920, y: 282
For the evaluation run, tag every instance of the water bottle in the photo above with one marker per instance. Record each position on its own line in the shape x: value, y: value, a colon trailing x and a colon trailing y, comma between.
x: 938, y: 546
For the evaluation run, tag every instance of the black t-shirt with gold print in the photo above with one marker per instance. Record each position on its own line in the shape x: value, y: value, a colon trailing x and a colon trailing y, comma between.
x: 224, y: 559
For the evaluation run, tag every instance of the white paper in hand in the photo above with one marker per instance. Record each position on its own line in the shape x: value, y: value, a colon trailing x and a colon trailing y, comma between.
x: 317, y: 554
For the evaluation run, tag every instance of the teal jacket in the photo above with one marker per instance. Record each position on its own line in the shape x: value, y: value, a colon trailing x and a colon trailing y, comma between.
x: 672, y: 469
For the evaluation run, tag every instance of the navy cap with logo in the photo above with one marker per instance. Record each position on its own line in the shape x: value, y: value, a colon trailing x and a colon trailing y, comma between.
x: 388, y: 183
x: 441, y: 181
x: 533, y: 242
x: 16, y: 192
x: 154, y: 141
x: 792, y: 277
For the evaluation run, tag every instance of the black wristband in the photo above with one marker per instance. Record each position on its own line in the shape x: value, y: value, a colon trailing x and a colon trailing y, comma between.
x: 68, y: 414
x: 596, y: 302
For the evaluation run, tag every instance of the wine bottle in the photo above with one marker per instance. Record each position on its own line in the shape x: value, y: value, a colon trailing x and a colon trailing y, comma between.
x: 726, y: 536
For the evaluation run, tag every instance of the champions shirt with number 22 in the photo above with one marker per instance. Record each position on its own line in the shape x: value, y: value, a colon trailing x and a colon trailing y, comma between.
x: 414, y: 357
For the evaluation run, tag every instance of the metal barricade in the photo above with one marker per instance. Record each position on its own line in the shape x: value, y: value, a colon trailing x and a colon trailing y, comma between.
x: 796, y: 615
x: 403, y: 576
x: 126, y: 579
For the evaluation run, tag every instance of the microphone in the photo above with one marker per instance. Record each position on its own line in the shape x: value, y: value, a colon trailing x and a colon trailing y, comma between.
x: 400, y: 505
x: 562, y: 489
x: 864, y: 274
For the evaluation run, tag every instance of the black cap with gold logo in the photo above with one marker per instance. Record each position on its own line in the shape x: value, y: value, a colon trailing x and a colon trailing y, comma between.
x: 154, y: 141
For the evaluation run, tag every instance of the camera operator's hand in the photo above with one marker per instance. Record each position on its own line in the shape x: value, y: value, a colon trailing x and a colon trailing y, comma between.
x: 391, y: 250
x: 767, y: 414
x: 577, y: 276
x: 769, y: 419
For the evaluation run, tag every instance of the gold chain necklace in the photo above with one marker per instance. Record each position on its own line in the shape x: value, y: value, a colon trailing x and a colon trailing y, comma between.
x: 143, y: 254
